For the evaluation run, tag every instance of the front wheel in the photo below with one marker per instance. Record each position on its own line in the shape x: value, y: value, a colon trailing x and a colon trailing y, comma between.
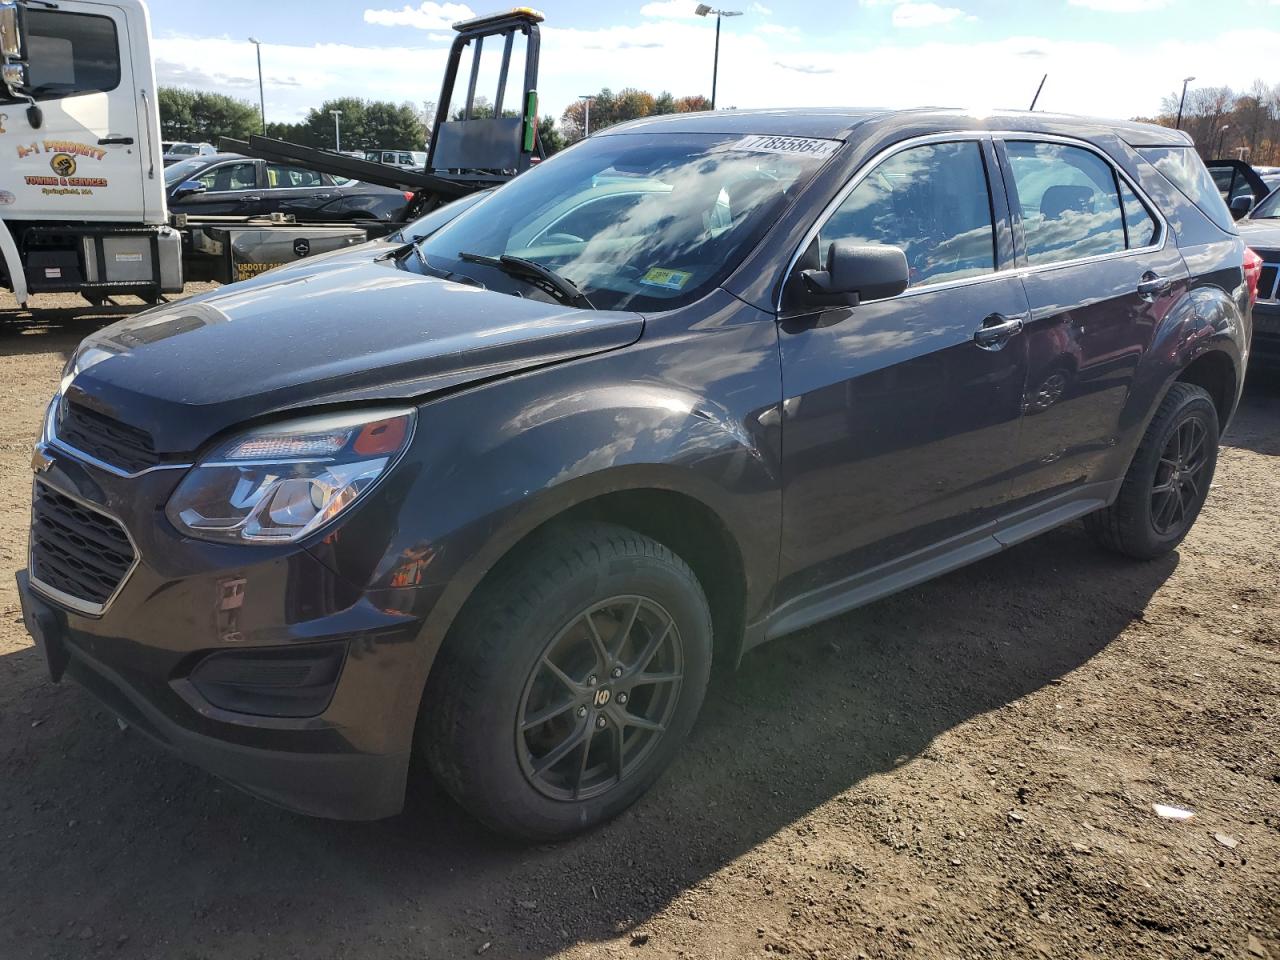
x: 569, y: 682
x: 1168, y: 480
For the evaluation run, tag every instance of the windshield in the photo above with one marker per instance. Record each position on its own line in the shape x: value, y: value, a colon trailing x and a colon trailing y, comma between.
x: 183, y: 170
x: 1268, y: 209
x: 636, y: 221
x: 438, y: 217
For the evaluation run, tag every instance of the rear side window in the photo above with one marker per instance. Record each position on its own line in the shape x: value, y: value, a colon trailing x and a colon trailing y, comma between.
x: 930, y: 201
x: 1182, y: 167
x: 71, y: 53
x: 1069, y: 202
x: 1139, y: 225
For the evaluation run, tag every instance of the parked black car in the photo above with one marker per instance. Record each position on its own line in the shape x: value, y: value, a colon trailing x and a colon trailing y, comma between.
x: 1261, y: 230
x: 501, y: 497
x: 227, y: 184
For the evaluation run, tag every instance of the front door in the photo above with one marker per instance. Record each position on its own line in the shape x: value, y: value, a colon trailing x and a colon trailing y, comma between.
x: 899, y: 426
x: 89, y: 155
x: 231, y: 188
x: 1099, y: 278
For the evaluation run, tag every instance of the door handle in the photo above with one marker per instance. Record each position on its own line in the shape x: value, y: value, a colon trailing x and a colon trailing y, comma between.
x: 997, y: 329
x: 320, y: 196
x: 1153, y: 285
x: 249, y: 199
x: 122, y: 141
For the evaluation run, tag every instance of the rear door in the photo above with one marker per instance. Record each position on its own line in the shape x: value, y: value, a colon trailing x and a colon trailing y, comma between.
x: 297, y: 191
x: 1100, y: 273
x: 900, y: 416
x: 87, y: 157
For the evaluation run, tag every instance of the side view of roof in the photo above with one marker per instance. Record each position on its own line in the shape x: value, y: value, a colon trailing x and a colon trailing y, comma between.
x: 839, y: 123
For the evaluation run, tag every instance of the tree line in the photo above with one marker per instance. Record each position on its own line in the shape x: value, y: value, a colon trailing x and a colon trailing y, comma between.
x: 194, y: 115
x: 1226, y: 123
x: 608, y: 108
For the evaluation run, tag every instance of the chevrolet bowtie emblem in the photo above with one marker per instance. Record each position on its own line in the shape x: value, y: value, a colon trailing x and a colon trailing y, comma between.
x: 40, y: 461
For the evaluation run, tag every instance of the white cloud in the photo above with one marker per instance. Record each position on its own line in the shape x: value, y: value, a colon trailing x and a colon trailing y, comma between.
x: 761, y: 9
x: 670, y: 9
x: 778, y: 30
x: 426, y: 16
x: 924, y: 14
x: 1119, y: 6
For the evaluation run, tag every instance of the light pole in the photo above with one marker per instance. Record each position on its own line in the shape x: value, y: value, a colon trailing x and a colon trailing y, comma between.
x: 1178, y: 125
x: 262, y: 100
x: 703, y: 10
x: 337, y: 132
x: 1222, y: 140
x: 586, y: 98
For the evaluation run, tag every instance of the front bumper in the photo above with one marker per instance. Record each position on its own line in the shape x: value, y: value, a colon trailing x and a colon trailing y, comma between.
x: 185, y: 601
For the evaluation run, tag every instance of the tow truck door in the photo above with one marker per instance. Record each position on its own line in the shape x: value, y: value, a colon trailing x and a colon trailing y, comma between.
x: 88, y: 158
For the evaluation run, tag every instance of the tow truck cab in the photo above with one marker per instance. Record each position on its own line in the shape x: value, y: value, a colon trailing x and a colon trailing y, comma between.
x: 82, y: 204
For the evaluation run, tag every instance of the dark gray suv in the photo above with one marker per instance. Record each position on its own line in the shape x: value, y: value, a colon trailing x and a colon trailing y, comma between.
x: 500, y: 496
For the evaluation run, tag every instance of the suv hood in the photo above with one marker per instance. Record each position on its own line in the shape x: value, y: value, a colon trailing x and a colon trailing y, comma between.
x: 355, y: 331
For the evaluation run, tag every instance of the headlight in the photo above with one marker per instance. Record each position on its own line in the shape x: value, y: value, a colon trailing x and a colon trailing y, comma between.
x: 278, y: 483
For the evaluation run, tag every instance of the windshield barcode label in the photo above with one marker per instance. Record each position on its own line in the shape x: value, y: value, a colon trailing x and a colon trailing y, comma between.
x: 793, y: 146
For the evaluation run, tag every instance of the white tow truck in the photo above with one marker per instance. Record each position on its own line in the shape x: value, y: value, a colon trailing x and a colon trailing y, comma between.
x: 82, y: 189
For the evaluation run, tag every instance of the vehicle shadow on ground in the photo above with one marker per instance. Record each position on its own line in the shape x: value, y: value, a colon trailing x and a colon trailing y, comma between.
x: 1256, y: 422
x: 111, y: 837
x: 56, y: 329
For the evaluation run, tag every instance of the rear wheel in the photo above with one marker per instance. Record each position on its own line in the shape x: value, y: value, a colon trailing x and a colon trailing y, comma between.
x: 1168, y: 480
x: 569, y: 682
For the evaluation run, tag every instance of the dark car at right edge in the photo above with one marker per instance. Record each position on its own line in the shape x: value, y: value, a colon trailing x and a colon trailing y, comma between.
x: 1260, y: 228
x: 498, y: 498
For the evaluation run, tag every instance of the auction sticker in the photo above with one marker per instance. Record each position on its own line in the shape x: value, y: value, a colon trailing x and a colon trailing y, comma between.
x: 667, y: 279
x: 792, y: 146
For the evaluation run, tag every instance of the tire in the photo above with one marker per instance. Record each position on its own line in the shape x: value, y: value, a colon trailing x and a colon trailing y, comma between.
x: 1166, y: 485
x: 523, y: 647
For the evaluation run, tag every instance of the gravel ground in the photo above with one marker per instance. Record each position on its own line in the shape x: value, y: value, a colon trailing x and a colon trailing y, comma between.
x: 964, y: 770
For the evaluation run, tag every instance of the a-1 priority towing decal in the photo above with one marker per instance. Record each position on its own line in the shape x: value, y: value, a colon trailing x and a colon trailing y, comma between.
x: 62, y: 156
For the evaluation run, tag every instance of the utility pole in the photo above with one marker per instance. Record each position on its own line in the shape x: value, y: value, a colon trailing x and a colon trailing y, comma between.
x: 262, y: 100
x: 1182, y: 102
x: 703, y: 10
x: 337, y: 132
x: 586, y: 99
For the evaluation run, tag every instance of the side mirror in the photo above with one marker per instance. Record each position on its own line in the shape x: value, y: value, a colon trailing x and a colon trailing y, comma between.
x: 187, y: 188
x: 10, y: 30
x: 1240, y: 206
x: 857, y: 272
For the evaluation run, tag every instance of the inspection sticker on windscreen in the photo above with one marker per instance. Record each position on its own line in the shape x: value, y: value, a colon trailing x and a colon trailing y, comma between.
x: 792, y: 146
x: 667, y: 279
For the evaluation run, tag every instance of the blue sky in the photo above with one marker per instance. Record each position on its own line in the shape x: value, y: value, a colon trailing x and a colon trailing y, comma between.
x: 975, y: 53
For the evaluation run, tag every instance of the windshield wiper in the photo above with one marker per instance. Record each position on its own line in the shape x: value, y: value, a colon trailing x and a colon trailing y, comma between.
x: 546, y: 279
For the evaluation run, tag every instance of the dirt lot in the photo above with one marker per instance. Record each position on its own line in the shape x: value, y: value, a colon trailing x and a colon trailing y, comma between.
x: 965, y: 770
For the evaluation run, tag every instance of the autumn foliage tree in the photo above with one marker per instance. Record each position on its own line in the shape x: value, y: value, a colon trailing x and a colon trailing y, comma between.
x: 608, y: 108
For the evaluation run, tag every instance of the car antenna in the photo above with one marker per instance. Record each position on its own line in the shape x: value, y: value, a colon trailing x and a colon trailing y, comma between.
x: 1037, y: 96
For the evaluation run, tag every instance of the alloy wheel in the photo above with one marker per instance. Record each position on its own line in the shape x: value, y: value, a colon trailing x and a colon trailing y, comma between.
x: 600, y: 698
x: 1178, y: 488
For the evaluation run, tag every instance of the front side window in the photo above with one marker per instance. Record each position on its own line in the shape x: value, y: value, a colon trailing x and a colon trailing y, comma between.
x: 70, y: 53
x: 231, y: 176
x: 695, y: 205
x: 1069, y: 202
x: 930, y: 201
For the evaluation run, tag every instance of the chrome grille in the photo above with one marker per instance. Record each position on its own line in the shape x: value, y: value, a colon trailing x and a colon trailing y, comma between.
x: 78, y: 554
